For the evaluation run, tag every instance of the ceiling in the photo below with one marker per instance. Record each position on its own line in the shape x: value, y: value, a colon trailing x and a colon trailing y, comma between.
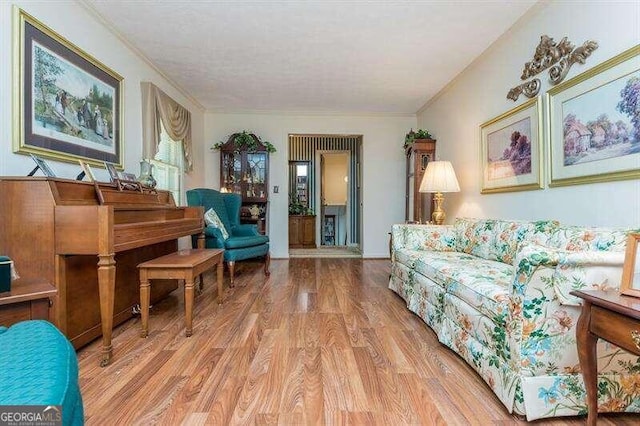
x: 311, y: 56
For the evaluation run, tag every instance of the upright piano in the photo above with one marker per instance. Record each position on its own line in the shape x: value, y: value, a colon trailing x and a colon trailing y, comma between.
x: 87, y: 239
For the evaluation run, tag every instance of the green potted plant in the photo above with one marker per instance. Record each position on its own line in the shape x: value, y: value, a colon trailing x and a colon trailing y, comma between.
x: 412, y: 136
x: 246, y: 141
x: 297, y: 208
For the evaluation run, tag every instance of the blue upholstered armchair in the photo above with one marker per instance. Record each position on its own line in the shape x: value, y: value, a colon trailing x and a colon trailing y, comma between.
x: 243, y: 242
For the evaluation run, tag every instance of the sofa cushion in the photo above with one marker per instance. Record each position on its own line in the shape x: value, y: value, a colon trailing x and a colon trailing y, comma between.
x: 408, y: 257
x: 431, y: 264
x: 240, y: 242
x: 579, y: 238
x: 483, y: 284
x: 498, y: 240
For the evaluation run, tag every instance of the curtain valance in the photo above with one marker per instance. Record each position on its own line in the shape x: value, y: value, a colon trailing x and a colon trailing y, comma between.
x: 158, y: 107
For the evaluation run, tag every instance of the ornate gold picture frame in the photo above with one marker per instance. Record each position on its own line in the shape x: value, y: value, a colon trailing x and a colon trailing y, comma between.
x: 67, y: 104
x: 511, y: 150
x: 594, y: 133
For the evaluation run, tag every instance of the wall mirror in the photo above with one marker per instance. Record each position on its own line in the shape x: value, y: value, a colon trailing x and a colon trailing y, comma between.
x: 630, y: 284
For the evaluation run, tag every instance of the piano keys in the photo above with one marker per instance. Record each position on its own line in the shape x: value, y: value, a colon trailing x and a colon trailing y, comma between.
x: 87, y: 239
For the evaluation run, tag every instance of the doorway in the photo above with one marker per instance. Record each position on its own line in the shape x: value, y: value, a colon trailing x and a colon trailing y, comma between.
x: 334, y: 198
x: 333, y: 195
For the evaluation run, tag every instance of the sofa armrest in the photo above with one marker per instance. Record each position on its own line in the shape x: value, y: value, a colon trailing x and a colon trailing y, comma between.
x: 533, y: 269
x: 244, y: 230
x: 540, y: 330
x: 591, y: 270
x: 423, y: 237
x: 542, y: 317
x: 213, y: 237
x: 539, y: 268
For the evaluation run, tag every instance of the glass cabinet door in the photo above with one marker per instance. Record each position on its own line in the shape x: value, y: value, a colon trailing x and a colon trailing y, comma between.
x: 232, y: 172
x: 255, y: 175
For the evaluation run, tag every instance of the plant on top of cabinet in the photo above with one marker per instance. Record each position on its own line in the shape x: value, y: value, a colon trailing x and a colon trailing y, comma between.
x: 245, y: 141
x: 412, y: 136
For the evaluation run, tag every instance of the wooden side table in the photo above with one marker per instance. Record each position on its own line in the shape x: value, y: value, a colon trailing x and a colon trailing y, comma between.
x: 29, y: 299
x: 182, y: 265
x: 609, y: 316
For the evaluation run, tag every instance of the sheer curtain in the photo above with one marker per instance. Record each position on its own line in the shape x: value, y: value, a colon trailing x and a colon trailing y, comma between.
x: 160, y: 111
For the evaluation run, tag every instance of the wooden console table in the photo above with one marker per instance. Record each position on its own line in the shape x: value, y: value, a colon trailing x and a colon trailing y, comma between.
x: 29, y: 299
x: 612, y: 317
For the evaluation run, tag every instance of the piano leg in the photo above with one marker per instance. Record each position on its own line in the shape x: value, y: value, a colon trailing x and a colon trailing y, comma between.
x: 106, y: 289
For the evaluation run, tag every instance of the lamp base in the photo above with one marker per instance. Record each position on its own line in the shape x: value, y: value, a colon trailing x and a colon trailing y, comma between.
x: 438, y: 215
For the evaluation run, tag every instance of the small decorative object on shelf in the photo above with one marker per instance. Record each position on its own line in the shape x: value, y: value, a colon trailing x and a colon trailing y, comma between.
x: 244, y: 170
x: 146, y: 175
x: 255, y: 211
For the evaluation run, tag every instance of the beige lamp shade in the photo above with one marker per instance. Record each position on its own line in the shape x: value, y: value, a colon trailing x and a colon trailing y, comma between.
x: 439, y: 177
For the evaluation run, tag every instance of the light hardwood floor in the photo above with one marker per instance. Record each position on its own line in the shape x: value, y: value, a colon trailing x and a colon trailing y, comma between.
x: 320, y: 341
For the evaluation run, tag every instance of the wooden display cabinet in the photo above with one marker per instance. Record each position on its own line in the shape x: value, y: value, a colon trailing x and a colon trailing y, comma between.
x: 302, y: 231
x: 247, y: 174
x: 418, y: 205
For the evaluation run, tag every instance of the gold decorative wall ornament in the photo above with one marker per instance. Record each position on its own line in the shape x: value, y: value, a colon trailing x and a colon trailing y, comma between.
x: 557, y: 57
x: 530, y: 90
x: 547, y: 53
x: 559, y: 71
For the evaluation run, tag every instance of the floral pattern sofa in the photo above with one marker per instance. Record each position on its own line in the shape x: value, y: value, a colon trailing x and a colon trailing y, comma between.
x: 497, y: 293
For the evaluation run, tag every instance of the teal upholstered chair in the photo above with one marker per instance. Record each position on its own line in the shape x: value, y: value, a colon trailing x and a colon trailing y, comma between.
x: 244, y: 241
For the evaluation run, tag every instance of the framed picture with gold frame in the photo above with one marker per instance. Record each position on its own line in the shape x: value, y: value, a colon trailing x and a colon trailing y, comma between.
x: 68, y: 105
x: 511, y: 149
x: 594, y: 130
x: 630, y: 284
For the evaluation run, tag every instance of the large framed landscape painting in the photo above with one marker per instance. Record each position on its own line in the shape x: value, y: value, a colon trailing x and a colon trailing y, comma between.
x: 594, y: 123
x: 68, y: 105
x: 511, y: 150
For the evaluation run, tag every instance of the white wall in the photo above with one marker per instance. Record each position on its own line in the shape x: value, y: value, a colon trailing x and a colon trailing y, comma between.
x: 78, y: 25
x: 479, y: 94
x: 382, y: 169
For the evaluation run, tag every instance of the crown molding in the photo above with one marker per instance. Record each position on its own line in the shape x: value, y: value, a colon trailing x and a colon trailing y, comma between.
x: 109, y: 26
x: 312, y: 113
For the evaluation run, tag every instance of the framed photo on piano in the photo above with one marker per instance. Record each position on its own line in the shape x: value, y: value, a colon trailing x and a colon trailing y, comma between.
x: 68, y: 105
x: 113, y: 173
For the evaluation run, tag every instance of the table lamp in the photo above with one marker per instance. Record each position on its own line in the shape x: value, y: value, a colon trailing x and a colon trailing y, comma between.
x: 439, y: 177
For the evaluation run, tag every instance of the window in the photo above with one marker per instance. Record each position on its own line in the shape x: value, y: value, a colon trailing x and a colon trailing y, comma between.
x: 169, y: 165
